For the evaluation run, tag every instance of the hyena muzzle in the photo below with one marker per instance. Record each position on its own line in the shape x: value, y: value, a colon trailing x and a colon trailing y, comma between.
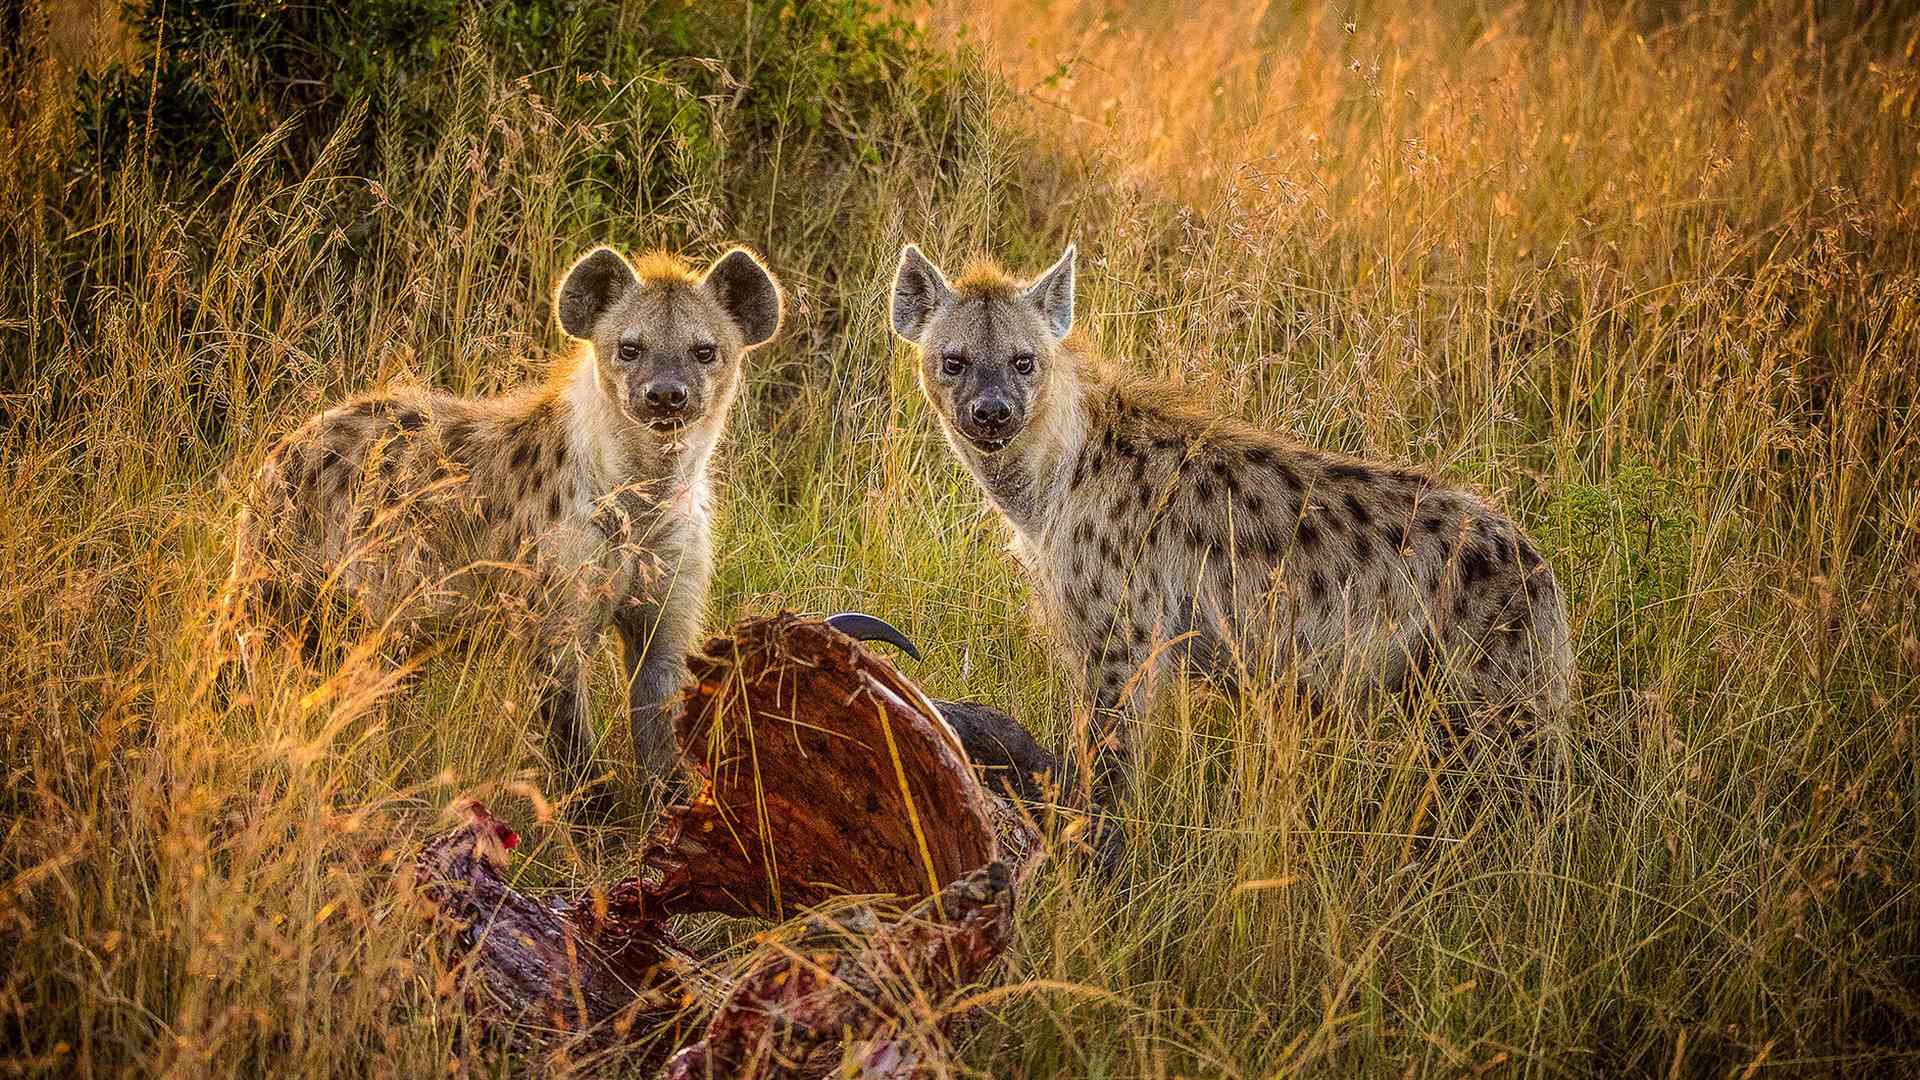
x: 581, y: 501
x: 1159, y: 533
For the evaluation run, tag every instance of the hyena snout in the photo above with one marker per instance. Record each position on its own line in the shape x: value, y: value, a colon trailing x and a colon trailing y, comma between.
x: 990, y: 418
x: 991, y: 414
x: 666, y: 399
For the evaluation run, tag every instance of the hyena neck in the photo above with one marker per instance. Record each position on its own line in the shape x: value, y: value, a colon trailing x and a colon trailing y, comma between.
x: 1028, y: 481
x: 618, y: 454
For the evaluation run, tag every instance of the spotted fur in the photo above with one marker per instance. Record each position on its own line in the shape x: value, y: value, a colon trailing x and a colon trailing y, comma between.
x: 1158, y: 532
x: 586, y: 498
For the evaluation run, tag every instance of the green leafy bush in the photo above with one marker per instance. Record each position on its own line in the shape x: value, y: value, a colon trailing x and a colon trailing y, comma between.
x: 1624, y: 547
x: 211, y: 68
x: 214, y: 74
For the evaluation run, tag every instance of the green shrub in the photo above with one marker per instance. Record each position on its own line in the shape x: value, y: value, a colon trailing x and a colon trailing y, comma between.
x: 1624, y: 548
x: 215, y: 74
x: 210, y: 68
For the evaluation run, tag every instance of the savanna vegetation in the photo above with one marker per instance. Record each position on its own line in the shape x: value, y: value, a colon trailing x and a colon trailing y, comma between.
x: 1647, y: 271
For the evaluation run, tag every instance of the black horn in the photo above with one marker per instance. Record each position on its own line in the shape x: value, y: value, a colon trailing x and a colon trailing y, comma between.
x: 863, y: 627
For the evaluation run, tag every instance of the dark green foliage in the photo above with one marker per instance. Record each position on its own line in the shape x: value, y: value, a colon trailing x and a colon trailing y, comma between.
x: 212, y: 68
x: 1624, y: 549
x: 216, y: 74
x: 574, y: 121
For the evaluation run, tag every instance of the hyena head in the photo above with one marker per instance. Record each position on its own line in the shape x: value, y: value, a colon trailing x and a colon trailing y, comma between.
x: 667, y: 342
x: 989, y: 348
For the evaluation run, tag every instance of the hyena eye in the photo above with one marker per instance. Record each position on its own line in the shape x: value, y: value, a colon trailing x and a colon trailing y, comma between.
x: 704, y: 353
x: 629, y: 351
x: 953, y: 364
x: 1023, y: 364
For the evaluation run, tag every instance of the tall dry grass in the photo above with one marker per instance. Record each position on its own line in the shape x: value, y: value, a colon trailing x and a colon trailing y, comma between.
x: 1647, y: 272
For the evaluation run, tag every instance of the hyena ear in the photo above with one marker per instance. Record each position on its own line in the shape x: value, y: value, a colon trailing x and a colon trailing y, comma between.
x: 1053, y: 295
x: 918, y: 291
x: 747, y: 293
x: 594, y: 283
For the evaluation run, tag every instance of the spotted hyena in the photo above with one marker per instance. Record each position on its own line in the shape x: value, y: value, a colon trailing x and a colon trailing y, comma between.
x: 1158, y: 532
x: 583, y: 500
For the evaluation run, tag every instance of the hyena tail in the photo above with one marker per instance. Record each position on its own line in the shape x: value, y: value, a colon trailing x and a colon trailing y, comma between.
x: 1538, y: 670
x: 1551, y: 650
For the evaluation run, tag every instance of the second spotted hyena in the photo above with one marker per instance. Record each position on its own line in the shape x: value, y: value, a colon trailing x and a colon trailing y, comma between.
x: 1156, y: 531
x: 583, y: 500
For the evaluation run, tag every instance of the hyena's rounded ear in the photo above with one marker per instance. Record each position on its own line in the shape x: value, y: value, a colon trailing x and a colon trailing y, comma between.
x: 594, y: 283
x: 747, y: 292
x: 1053, y: 295
x: 918, y: 291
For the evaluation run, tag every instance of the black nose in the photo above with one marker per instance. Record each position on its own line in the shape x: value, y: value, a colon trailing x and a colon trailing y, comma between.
x: 992, y: 412
x: 667, y: 396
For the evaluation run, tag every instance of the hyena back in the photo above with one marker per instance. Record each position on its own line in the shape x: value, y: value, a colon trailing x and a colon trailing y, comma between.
x: 585, y: 499
x: 1157, y: 532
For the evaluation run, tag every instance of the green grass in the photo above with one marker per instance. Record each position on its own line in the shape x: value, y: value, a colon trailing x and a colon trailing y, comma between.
x: 1647, y: 273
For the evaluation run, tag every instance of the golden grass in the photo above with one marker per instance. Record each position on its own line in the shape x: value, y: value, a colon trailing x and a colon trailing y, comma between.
x: 1648, y: 272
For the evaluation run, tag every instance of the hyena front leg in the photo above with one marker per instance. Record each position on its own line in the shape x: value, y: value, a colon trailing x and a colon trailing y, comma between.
x: 1112, y: 677
x: 576, y: 604
x: 563, y: 708
x: 654, y: 646
x: 1116, y: 680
